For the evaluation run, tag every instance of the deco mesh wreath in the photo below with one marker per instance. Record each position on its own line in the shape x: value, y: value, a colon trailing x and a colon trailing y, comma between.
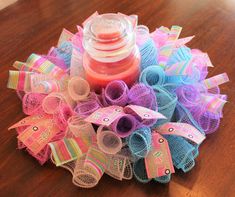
x: 116, y: 99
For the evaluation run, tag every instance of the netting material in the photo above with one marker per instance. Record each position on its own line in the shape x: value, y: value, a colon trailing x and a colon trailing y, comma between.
x: 86, y: 108
x: 78, y: 88
x: 118, y: 167
x: 163, y: 179
x: 52, y: 102
x: 116, y: 93
x: 166, y: 104
x: 108, y: 141
x: 139, y: 142
x: 62, y: 115
x: 142, y: 95
x: 124, y: 125
x: 181, y: 152
x: 139, y: 171
x: 152, y: 76
x: 32, y: 103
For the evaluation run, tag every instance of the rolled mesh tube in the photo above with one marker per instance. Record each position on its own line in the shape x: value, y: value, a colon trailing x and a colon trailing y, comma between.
x: 142, y: 95
x: 166, y: 102
x: 78, y: 88
x: 90, y: 168
x: 78, y: 127
x: 32, y: 103
x: 139, y: 142
x: 108, y: 141
x: 52, y: 102
x: 152, y: 76
x: 181, y: 152
x: 124, y: 125
x: 209, y: 122
x: 116, y: 93
x: 83, y: 176
x: 139, y: 171
x: 86, y: 108
x: 188, y: 95
x: 118, y: 167
x: 163, y: 179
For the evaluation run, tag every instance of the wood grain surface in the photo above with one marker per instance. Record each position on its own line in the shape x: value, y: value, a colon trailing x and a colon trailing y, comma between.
x: 34, y: 26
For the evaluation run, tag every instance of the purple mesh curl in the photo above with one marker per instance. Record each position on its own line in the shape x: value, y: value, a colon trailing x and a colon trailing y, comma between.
x: 116, y: 93
x: 142, y: 95
x: 188, y: 95
x: 209, y: 122
x: 124, y: 125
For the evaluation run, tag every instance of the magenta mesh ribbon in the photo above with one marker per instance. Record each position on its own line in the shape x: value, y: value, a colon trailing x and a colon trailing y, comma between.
x: 124, y: 125
x: 142, y: 95
x: 116, y: 93
x: 62, y: 115
x: 32, y: 103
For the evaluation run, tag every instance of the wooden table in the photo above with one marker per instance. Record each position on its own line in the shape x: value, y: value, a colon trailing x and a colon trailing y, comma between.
x: 35, y: 25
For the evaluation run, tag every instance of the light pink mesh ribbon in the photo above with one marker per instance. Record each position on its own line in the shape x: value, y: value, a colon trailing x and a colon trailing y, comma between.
x: 78, y: 88
x: 52, y: 102
x: 108, y: 141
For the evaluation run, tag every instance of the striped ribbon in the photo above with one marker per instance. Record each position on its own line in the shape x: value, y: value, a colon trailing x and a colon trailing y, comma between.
x: 215, y: 81
x: 19, y: 80
x: 96, y: 159
x: 213, y: 104
x: 67, y: 149
x: 180, y: 68
x: 44, y: 66
x: 64, y: 36
x: 174, y: 33
x: 164, y: 54
x: 164, y: 29
x: 21, y: 66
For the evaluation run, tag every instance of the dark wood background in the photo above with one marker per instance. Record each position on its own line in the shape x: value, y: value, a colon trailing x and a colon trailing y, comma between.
x: 34, y: 25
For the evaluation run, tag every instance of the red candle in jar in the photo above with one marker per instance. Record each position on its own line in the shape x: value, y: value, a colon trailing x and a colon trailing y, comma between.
x: 110, y: 50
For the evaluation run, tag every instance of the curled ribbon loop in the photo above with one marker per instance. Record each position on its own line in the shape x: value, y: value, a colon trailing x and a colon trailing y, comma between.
x: 108, y: 141
x: 78, y: 88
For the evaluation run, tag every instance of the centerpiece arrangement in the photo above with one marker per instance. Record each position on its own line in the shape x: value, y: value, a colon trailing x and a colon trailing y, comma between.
x: 114, y: 98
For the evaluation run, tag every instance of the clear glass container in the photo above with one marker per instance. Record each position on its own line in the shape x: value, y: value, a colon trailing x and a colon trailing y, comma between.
x: 110, y: 47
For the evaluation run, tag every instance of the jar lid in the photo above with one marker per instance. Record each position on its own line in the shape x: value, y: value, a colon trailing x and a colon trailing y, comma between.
x: 109, y: 35
x: 108, y: 27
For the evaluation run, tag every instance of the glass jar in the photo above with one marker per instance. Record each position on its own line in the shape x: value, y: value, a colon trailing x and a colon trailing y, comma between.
x: 111, y: 52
